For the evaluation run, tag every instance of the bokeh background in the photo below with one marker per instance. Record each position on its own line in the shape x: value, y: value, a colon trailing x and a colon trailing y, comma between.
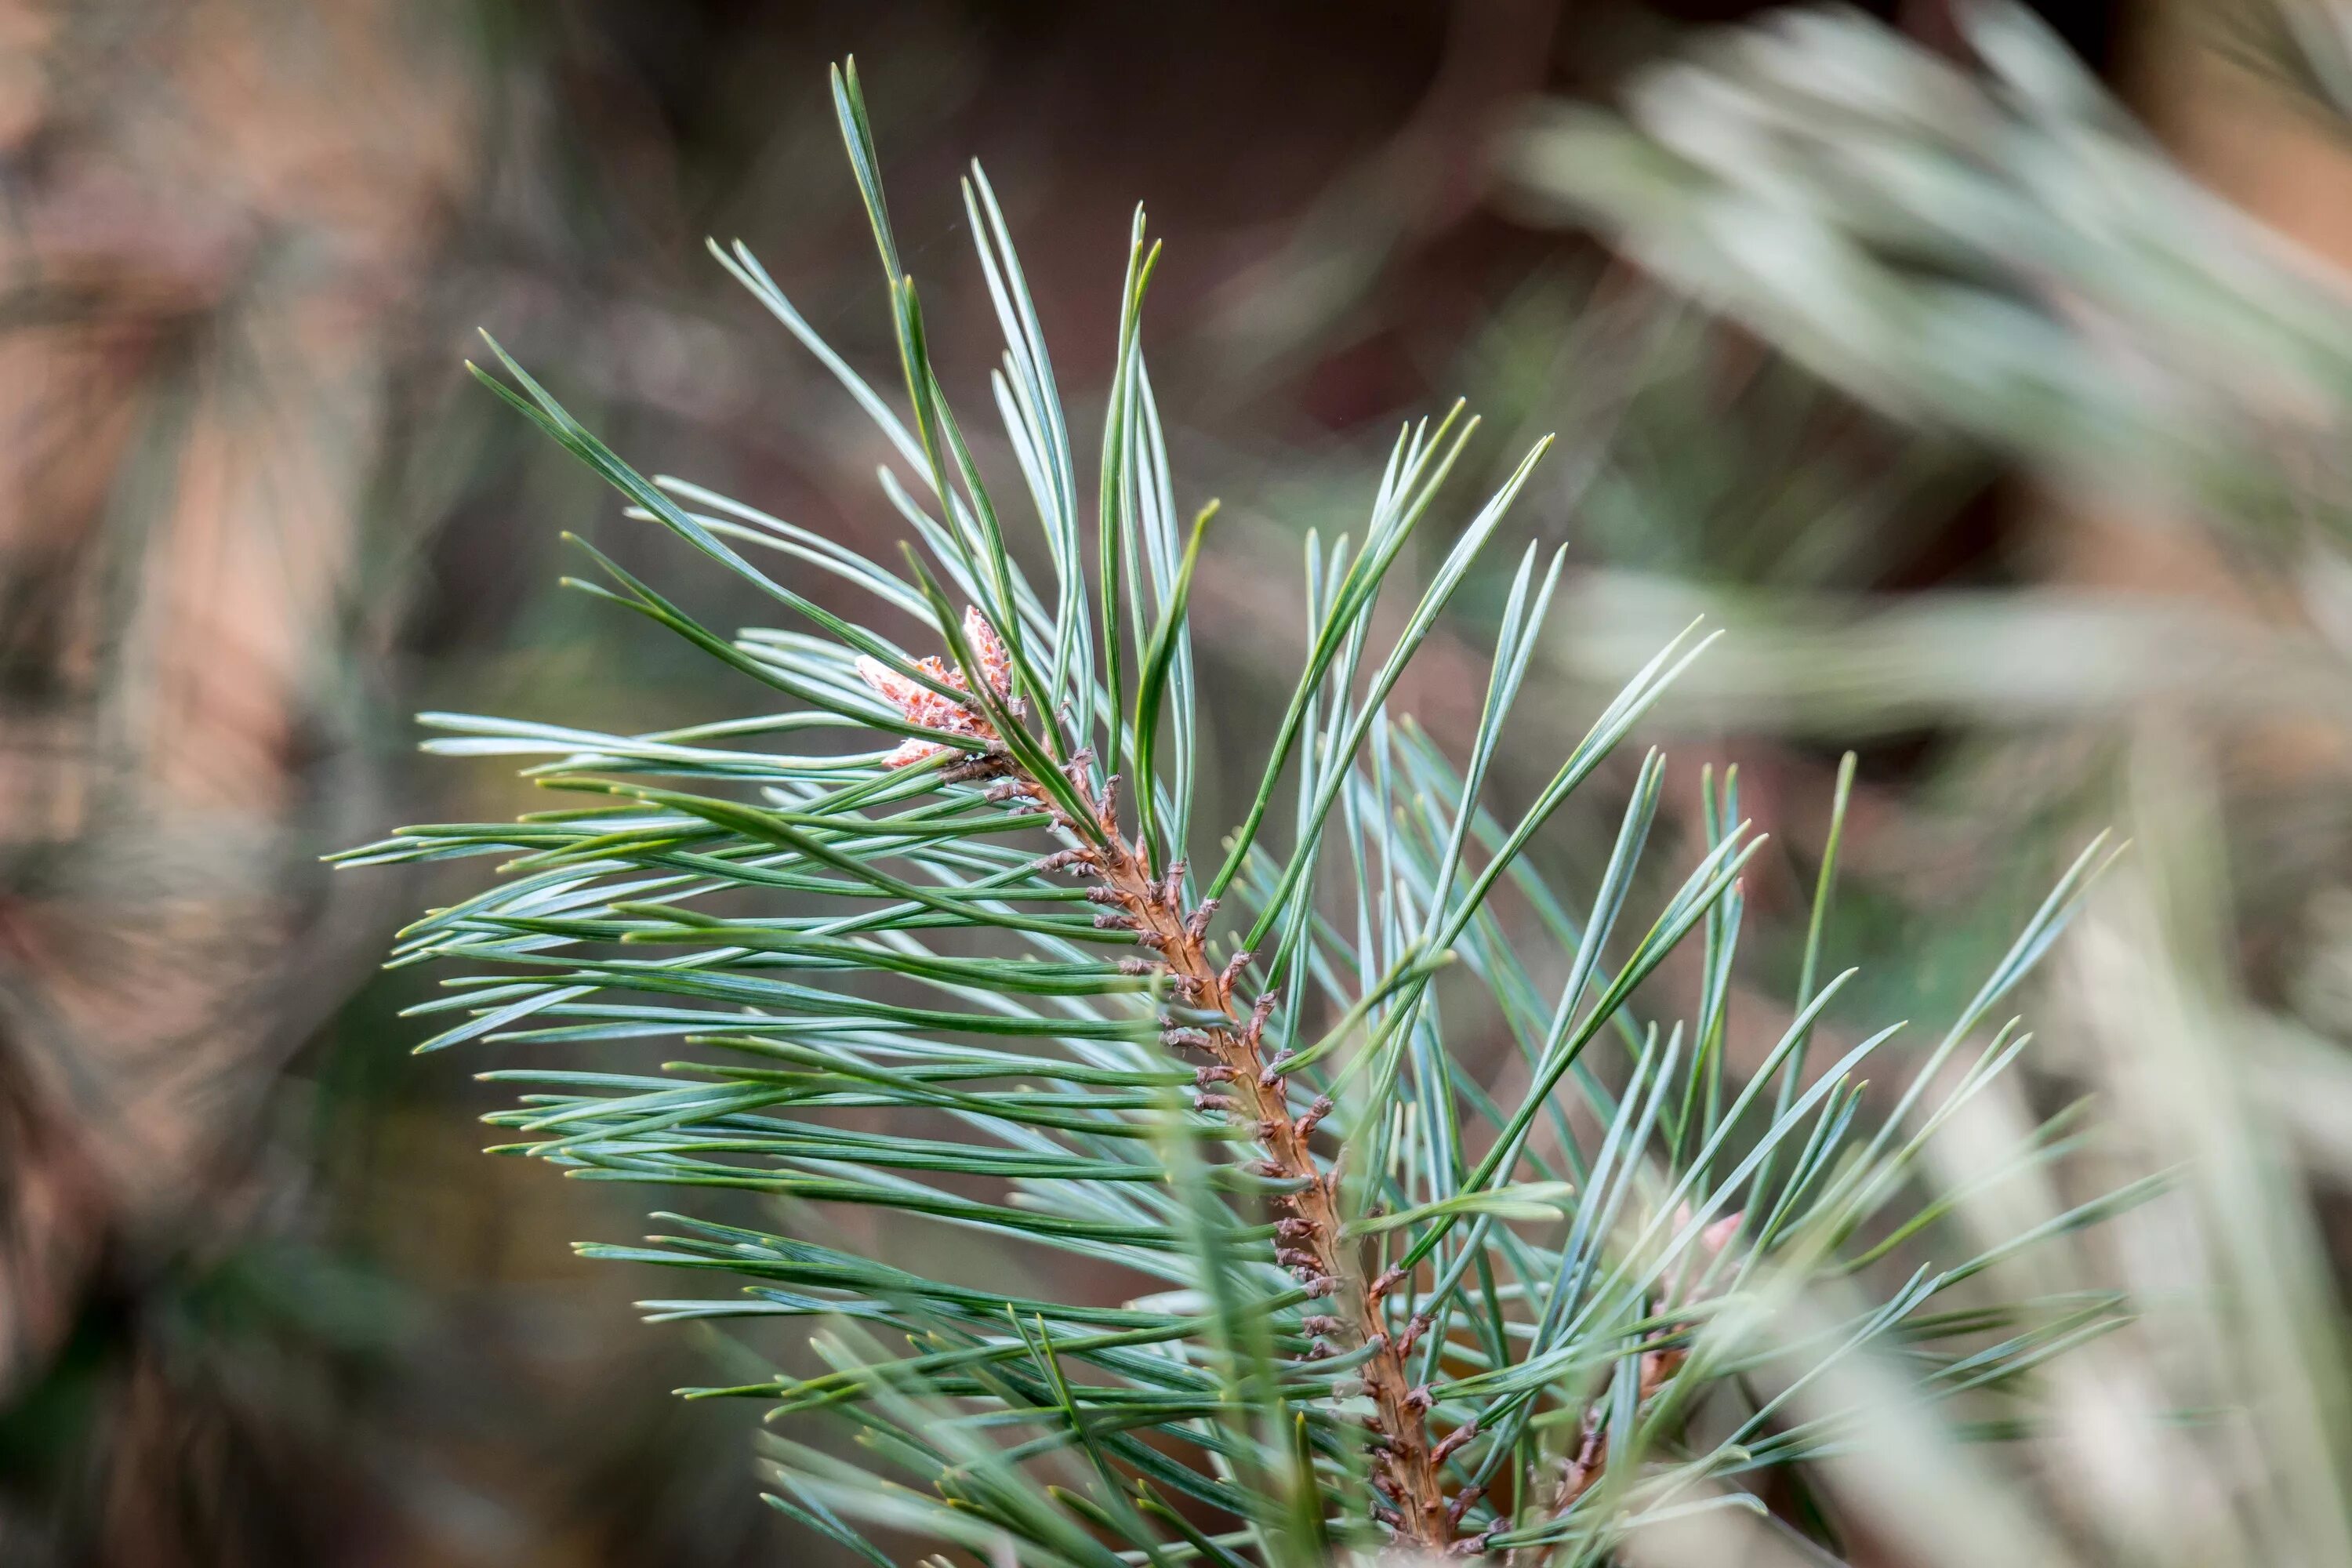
x: 1994, y: 397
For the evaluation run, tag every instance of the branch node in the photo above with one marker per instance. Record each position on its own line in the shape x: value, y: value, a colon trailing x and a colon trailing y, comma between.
x: 1260, y: 1011
x: 1453, y: 1442
x: 1469, y: 1545
x: 1196, y: 925
x: 1314, y: 1114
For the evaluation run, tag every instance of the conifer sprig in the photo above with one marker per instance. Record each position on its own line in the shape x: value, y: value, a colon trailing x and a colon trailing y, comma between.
x: 1378, y: 1299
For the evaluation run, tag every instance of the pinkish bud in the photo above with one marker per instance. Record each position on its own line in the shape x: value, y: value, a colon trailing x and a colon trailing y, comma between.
x: 988, y: 651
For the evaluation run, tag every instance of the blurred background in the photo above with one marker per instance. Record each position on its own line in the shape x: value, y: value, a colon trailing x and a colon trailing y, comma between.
x: 1989, y: 379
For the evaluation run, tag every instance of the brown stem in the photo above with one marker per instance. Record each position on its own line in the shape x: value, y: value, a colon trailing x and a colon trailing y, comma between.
x: 1402, y: 1464
x: 1580, y: 1470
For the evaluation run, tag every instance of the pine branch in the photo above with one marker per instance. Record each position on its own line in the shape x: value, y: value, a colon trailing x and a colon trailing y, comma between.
x: 1236, y: 1080
x: 1387, y: 1296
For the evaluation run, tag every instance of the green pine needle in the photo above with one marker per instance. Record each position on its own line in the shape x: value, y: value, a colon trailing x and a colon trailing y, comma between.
x: 1363, y: 1296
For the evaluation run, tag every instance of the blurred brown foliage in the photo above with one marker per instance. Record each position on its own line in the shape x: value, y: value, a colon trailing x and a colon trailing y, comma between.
x: 261, y: 1301
x: 258, y: 1299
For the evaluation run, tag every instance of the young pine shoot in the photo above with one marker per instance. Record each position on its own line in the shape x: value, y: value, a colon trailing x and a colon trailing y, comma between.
x: 1382, y: 1293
